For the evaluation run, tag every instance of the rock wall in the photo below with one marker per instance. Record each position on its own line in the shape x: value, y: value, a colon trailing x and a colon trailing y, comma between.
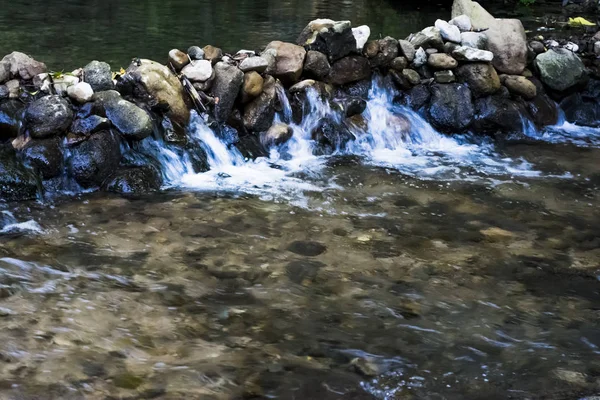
x: 474, y: 73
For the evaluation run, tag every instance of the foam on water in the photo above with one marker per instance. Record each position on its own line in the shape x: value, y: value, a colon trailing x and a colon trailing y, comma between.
x: 12, y: 226
x: 566, y: 132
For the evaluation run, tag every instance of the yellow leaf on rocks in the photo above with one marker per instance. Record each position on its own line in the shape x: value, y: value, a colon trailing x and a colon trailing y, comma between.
x: 579, y: 21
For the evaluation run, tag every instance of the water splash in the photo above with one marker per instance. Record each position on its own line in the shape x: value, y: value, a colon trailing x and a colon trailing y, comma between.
x: 10, y: 226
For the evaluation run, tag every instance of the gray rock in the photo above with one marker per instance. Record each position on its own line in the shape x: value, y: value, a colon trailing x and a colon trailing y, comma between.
x: 520, y: 86
x: 11, y: 115
x: 48, y: 116
x: 95, y: 159
x: 198, y: 71
x: 45, y: 156
x: 537, y: 46
x: 449, y: 32
x: 99, y: 76
x: 597, y: 48
x: 22, y: 66
x: 195, y: 53
x: 388, y: 51
x: 420, y: 58
x: 560, y: 69
x: 332, y: 38
x: 16, y: 182
x: 475, y: 40
x: 349, y: 69
x: 226, y: 87
x: 130, y: 120
x: 481, y: 78
x: 399, y: 63
x: 498, y: 115
x: 407, y: 50
x: 178, y: 59
x: 442, y: 61
x: 212, y: 54
x: 277, y: 135
x: 444, y: 76
x: 259, y: 113
x: 81, y: 92
x: 258, y: 64
x: 289, y: 61
x: 4, y: 71
x: 88, y: 125
x: 508, y: 41
x: 463, y: 53
x: 429, y: 37
x: 451, y: 108
x: 134, y: 180
x: 463, y: 22
x: 316, y: 65
x: 4, y: 92
x: 14, y: 88
x: 478, y: 16
x: 411, y: 76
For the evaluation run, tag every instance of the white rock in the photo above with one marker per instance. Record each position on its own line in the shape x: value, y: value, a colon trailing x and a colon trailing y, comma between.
x: 463, y: 22
x: 597, y: 48
x: 249, y: 53
x: 571, y: 46
x: 258, y: 64
x: 198, y: 71
x: 81, y: 92
x: 13, y: 88
x: 464, y: 53
x: 420, y: 57
x: 361, y: 34
x: 473, y: 39
x: 63, y: 83
x: 449, y: 32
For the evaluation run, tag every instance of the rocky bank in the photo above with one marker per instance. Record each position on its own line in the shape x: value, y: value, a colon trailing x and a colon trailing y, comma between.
x: 473, y: 73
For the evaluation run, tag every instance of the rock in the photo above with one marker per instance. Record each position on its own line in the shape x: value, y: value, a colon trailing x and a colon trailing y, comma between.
x: 560, y: 69
x: 277, y: 135
x: 154, y: 84
x: 258, y: 64
x: 352, y: 106
x: 571, y: 47
x: 481, y: 78
x: 4, y: 71
x: 22, y: 66
x: 407, y: 50
x: 99, y: 76
x: 581, y: 110
x: 399, y: 63
x: 61, y: 85
x: 45, y: 156
x: 388, y: 51
x: 444, y: 76
x: 178, y: 59
x: 134, y: 180
x: 451, y: 108
x: 349, y: 69
x: 316, y: 65
x: 253, y: 84
x: 463, y: 22
x: 335, y: 39
x: 225, y: 88
x: 498, y: 115
x: 91, y: 124
x: 520, y: 86
x: 429, y: 37
x: 16, y: 182
x: 442, y: 61
x: 14, y: 88
x: 478, y: 16
x: 198, y: 71
x: 473, y: 39
x: 463, y: 53
x: 307, y: 248
x: 420, y: 58
x: 537, y: 47
x: 94, y: 160
x: 81, y: 92
x: 508, y: 42
x: 449, y: 32
x: 418, y: 97
x: 371, y: 48
x: 302, y: 271
x: 289, y: 61
x: 361, y: 35
x: 411, y: 76
x: 212, y: 54
x: 132, y: 122
x: 331, y: 136
x: 4, y: 92
x: 195, y: 53
x: 10, y: 119
x: 48, y: 116
x: 543, y: 109
x: 259, y: 113
x: 597, y: 48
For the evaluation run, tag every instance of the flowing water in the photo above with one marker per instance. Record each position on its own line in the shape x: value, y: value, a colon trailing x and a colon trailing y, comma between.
x: 407, y: 265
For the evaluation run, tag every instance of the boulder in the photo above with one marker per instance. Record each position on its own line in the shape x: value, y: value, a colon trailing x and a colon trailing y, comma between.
x: 429, y: 37
x: 277, y: 135
x: 475, y: 40
x: 498, y: 115
x: 444, y: 76
x: 418, y: 97
x: 442, y: 61
x: 411, y: 76
x: 451, y: 109
x: 130, y: 120
x: 88, y: 125
x: 482, y: 78
x: 134, y: 180
x: 542, y: 108
x: 371, y: 48
x: 349, y: 69
x: 332, y: 38
x: 258, y: 64
x: 361, y: 35
x: 99, y: 76
x: 520, y: 86
x: 560, y: 69
x: 81, y: 92
x: 48, y: 116
x: 22, y: 66
x: 580, y: 110
x: 508, y: 42
x: 463, y: 53
x: 399, y: 64
x: 289, y: 60
x: 449, y: 32
x: 16, y: 181
x: 195, y: 53
x: 316, y: 65
x: 463, y: 22
x: 407, y: 50
x: 537, y: 47
x: 388, y: 51
x: 92, y: 161
x: 259, y: 113
x: 198, y: 71
x: 178, y: 59
x: 153, y: 84
x: 226, y: 87
x: 478, y: 16
x: 45, y: 156
x: 212, y: 54
x: 331, y: 136
x: 253, y: 85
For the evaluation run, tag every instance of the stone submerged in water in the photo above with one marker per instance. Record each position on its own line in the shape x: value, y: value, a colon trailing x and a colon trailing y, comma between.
x: 134, y: 180
x: 451, y: 109
x: 16, y: 182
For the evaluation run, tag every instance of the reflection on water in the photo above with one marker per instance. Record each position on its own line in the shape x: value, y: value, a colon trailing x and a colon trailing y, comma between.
x: 396, y: 288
